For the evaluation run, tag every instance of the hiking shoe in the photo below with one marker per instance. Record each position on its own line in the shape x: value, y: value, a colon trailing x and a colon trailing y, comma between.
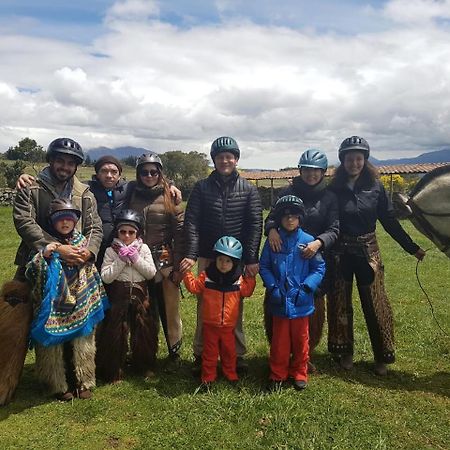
x: 299, y: 385
x: 84, y: 394
x: 196, y: 368
x: 64, y: 396
x: 241, y: 366
x: 380, y: 369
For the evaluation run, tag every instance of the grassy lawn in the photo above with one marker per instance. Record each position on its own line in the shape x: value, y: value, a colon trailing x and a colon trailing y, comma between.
x: 408, y: 409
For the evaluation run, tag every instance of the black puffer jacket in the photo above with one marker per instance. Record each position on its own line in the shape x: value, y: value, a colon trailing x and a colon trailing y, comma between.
x: 219, y: 207
x: 107, y: 210
x: 321, y: 207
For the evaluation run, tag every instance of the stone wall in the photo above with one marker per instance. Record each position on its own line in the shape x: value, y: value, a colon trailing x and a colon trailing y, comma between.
x: 6, y: 196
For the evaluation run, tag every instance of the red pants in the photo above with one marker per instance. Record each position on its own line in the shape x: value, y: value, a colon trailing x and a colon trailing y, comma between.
x: 289, y: 351
x: 218, y: 341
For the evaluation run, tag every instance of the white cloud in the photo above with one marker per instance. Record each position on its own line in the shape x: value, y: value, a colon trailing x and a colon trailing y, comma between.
x: 417, y: 11
x: 133, y: 10
x: 278, y: 90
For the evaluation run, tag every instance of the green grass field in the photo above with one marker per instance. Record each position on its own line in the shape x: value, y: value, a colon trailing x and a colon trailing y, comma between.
x: 408, y: 409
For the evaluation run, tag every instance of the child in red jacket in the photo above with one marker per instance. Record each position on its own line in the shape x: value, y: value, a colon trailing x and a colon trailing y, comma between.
x: 222, y: 287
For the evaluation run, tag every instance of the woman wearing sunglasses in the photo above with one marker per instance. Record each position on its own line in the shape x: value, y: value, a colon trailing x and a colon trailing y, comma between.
x: 163, y: 223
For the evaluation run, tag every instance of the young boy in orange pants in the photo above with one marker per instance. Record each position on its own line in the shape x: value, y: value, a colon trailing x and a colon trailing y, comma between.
x: 222, y: 287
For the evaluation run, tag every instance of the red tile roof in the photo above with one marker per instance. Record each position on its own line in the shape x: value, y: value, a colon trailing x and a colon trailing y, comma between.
x: 400, y: 169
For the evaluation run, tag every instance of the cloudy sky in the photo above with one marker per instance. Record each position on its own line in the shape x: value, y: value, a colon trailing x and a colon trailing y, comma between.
x: 278, y: 75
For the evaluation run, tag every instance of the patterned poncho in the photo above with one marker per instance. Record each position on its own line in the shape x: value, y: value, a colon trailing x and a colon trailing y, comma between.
x: 69, y: 300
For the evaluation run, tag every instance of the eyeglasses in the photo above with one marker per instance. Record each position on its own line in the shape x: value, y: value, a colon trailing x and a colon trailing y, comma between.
x: 149, y: 173
x: 127, y: 232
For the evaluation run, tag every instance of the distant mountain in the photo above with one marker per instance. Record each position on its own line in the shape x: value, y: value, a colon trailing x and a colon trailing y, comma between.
x: 437, y: 156
x: 118, y: 152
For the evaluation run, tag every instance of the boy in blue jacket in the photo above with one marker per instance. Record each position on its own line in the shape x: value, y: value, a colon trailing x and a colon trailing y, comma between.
x: 291, y: 281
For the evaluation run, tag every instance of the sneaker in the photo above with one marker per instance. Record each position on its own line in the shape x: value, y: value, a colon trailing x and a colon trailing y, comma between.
x: 84, y: 394
x: 241, y: 366
x: 64, y: 396
x: 173, y: 363
x: 299, y: 385
x: 196, y: 368
x: 380, y: 369
x: 274, y: 386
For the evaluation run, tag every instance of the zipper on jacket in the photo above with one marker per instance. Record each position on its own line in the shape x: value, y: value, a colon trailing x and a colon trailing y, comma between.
x: 223, y: 307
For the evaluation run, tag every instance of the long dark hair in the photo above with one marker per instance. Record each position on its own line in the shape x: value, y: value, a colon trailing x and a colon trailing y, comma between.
x: 366, y: 179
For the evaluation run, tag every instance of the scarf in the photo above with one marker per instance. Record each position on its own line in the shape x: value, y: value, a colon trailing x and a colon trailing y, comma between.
x: 307, y: 192
x: 224, y: 279
x: 69, y: 300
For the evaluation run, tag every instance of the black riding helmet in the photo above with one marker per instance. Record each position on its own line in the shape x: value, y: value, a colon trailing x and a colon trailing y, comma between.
x: 353, y: 143
x: 225, y: 144
x: 62, y: 204
x: 129, y: 217
x: 66, y: 146
x: 289, y: 204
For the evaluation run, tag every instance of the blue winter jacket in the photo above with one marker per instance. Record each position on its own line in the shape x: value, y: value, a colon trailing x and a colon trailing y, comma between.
x: 289, y: 278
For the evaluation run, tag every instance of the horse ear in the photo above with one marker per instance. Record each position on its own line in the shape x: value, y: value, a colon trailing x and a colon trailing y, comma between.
x: 401, y: 208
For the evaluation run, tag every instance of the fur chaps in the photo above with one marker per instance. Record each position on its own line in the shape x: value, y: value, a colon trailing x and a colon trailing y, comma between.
x: 16, y: 312
x: 52, y: 370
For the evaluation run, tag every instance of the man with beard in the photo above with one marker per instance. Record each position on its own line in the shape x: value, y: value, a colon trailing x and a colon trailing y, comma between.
x: 31, y: 219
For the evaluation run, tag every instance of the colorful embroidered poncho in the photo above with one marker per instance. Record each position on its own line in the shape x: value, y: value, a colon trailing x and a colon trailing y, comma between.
x: 70, y: 300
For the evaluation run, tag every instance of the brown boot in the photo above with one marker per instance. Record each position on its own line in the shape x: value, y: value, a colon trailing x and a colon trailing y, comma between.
x: 64, y: 396
x: 380, y: 369
x: 346, y: 362
x: 84, y: 394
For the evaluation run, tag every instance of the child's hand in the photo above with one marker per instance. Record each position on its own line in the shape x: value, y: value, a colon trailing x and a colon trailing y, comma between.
x: 123, y: 254
x: 133, y: 254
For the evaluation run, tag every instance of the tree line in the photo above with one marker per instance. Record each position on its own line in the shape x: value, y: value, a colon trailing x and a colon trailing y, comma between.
x: 184, y: 169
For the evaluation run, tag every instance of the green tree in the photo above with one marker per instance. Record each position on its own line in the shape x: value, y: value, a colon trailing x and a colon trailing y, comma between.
x: 130, y: 161
x: 10, y: 172
x: 185, y: 169
x: 28, y: 150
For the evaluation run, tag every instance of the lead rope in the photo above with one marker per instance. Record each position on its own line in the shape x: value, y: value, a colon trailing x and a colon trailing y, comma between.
x: 428, y: 298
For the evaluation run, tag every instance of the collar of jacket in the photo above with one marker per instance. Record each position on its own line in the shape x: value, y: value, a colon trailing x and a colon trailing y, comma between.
x: 78, y: 187
x: 289, y: 237
x: 148, y: 193
x: 221, y: 180
x: 307, y: 192
x: 120, y: 185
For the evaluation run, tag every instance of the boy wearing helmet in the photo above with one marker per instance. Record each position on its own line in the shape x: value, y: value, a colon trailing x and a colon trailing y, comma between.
x: 127, y: 265
x: 222, y: 287
x: 291, y: 280
x: 69, y: 303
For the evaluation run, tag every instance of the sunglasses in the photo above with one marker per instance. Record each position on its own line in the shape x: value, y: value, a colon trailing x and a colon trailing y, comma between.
x: 149, y: 173
x: 126, y: 232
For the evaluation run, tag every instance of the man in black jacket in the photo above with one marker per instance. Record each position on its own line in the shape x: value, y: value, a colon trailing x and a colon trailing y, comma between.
x: 224, y: 204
